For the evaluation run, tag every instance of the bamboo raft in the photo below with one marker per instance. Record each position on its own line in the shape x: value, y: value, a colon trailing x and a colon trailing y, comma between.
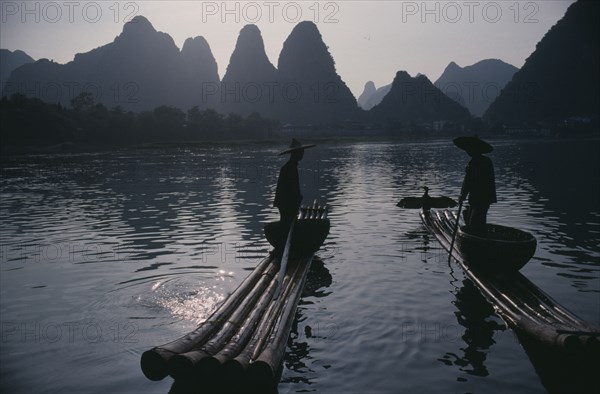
x: 244, y: 340
x: 520, y: 303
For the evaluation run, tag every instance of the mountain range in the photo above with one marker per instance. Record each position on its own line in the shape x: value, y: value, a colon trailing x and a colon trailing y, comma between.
x: 140, y: 70
x: 143, y: 69
x: 474, y: 87
x: 561, y: 78
x: 304, y: 88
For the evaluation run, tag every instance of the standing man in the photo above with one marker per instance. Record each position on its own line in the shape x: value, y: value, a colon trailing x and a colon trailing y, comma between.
x: 479, y: 184
x: 287, y: 195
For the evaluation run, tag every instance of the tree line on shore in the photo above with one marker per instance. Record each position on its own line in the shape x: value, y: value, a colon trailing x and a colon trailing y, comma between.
x: 28, y: 122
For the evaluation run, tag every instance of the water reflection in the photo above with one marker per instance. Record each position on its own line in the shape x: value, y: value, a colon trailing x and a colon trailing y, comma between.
x: 558, y: 371
x: 476, y: 315
x: 297, y: 359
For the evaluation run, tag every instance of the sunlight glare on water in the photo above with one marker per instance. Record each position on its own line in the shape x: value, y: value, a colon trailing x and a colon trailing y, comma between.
x: 194, y: 305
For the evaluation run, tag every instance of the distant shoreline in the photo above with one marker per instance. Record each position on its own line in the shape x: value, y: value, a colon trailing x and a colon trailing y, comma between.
x: 83, y: 148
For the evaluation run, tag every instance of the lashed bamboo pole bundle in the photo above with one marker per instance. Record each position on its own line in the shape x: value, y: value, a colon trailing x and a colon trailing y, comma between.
x: 154, y: 362
x: 234, y: 368
x: 183, y: 365
x: 521, y: 303
x: 265, y: 367
x: 251, y: 325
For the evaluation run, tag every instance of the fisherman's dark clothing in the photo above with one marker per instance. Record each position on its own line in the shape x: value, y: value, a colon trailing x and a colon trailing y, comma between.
x: 287, y: 196
x: 480, y: 186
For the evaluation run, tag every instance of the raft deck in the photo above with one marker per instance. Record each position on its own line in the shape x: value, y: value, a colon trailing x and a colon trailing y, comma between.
x: 519, y: 302
x: 243, y: 342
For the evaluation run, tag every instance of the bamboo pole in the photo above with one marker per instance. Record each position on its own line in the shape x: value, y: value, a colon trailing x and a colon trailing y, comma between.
x: 264, y: 368
x: 242, y: 337
x: 210, y: 364
x: 285, y: 257
x: 295, y: 278
x: 455, y: 231
x: 182, y: 366
x: 302, y: 213
x: 154, y: 362
x: 235, y: 368
x: 549, y: 335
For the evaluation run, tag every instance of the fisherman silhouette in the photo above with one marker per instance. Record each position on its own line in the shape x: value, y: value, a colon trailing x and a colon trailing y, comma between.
x: 287, y: 195
x: 479, y: 184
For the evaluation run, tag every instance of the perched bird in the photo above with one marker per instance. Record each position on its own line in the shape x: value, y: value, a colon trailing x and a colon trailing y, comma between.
x: 426, y: 201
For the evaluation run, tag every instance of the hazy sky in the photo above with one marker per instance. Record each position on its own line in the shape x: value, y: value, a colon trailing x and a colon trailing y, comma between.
x: 369, y: 40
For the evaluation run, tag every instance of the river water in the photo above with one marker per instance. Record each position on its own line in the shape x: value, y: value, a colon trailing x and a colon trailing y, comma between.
x: 106, y: 255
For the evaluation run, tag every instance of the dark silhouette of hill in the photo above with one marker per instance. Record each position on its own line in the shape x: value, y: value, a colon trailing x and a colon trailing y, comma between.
x: 10, y: 61
x: 476, y: 86
x: 310, y: 90
x: 140, y: 70
x: 560, y: 79
x: 245, y: 87
x: 199, y: 69
x: 370, y: 98
x: 416, y: 100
